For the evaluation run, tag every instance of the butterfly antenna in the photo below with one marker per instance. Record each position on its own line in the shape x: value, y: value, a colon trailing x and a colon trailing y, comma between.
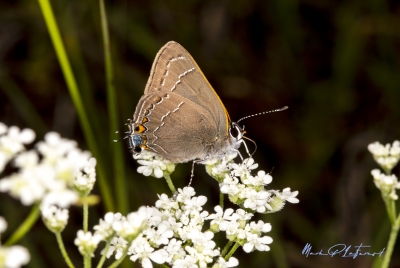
x: 267, y: 112
x: 255, y: 144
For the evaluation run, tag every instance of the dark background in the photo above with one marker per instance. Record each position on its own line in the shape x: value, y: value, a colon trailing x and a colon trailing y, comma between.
x: 336, y: 64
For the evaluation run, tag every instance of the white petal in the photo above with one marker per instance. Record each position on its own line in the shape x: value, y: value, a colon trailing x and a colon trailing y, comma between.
x: 158, y: 173
x: 265, y: 240
x: 248, y: 247
x: 146, y: 263
x: 232, y: 262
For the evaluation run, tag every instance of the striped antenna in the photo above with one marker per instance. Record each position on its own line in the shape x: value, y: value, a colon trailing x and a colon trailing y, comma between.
x: 268, y: 112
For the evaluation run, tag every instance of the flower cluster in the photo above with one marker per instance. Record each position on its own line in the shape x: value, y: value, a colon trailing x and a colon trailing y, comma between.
x: 52, y: 174
x: 169, y: 233
x: 238, y: 228
x: 153, y: 164
x: 246, y: 190
x: 55, y: 218
x: 386, y: 183
x: 12, y: 142
x: 14, y: 256
x: 386, y: 156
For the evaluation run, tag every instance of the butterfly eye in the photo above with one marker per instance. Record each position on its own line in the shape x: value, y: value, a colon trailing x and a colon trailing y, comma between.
x: 137, y: 149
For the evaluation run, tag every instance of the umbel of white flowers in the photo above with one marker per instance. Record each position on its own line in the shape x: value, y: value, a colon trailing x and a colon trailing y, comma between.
x: 172, y: 233
x: 56, y: 172
x: 235, y: 180
x: 387, y: 156
x: 13, y: 256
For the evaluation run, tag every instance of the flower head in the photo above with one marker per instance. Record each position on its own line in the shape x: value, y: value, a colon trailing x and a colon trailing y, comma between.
x: 387, y: 156
x: 87, y: 243
x: 55, y: 218
x: 153, y: 164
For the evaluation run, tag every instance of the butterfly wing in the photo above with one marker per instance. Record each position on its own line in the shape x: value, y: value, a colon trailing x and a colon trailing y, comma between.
x: 174, y: 70
x: 176, y: 128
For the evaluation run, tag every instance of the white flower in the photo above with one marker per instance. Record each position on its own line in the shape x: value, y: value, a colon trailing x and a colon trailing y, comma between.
x: 3, y: 222
x: 159, y: 236
x: 129, y: 227
x: 259, y: 243
x: 187, y: 262
x: 196, y: 203
x: 27, y: 159
x: 84, y: 182
x: 230, y: 186
x: 290, y: 196
x: 12, y: 142
x: 141, y: 249
x: 386, y: 156
x: 185, y: 194
x: 105, y: 227
x: 258, y: 228
x: 222, y: 263
x: 386, y: 183
x: 256, y: 200
x: 221, y: 219
x: 14, y: 256
x: 55, y: 219
x: 175, y: 250
x: 87, y: 243
x: 50, y: 179
x: 63, y: 197
x: 166, y: 203
x: 118, y: 246
x: 243, y: 170
x: 153, y: 164
x: 378, y: 149
x: 262, y: 178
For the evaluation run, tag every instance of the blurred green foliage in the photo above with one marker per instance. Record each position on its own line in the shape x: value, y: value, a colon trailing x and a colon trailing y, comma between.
x: 336, y: 64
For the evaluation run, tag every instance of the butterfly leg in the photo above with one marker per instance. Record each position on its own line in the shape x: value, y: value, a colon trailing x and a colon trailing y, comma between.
x: 192, y: 173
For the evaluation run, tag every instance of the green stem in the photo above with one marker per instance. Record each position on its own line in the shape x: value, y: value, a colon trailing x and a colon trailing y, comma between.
x: 391, y: 243
x: 87, y: 261
x: 85, y: 215
x: 119, y: 167
x: 103, y: 258
x: 390, y: 208
x: 221, y: 200
x: 118, y: 262
x: 55, y: 35
x: 25, y: 226
x: 63, y: 251
x: 170, y: 184
x: 226, y: 248
x: 234, y: 248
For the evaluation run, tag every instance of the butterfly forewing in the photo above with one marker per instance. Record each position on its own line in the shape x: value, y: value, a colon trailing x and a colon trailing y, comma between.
x: 174, y: 70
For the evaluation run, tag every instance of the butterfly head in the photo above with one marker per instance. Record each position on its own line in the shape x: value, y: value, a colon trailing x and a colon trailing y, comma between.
x: 236, y: 131
x: 136, y: 138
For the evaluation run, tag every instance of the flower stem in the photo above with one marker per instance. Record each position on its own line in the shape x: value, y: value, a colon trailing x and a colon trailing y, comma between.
x: 63, y: 251
x: 390, y: 208
x: 85, y: 215
x: 25, y: 226
x: 103, y: 258
x: 65, y: 65
x: 87, y: 261
x: 221, y: 200
x: 391, y: 243
x: 234, y: 248
x: 226, y: 248
x: 170, y: 184
x: 118, y: 262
